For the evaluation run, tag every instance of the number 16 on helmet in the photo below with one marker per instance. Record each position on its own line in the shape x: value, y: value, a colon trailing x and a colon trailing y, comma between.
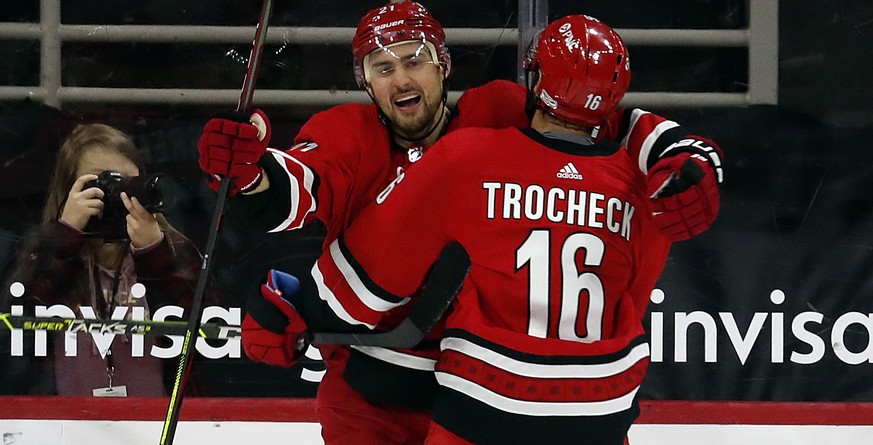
x: 578, y: 70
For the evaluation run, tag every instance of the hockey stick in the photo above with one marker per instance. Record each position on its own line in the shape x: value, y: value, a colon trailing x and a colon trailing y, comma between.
x: 245, y: 100
x: 117, y: 327
x: 446, y: 277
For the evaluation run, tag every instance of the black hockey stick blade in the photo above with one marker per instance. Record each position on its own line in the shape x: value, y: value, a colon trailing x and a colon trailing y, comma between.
x: 445, y: 281
x: 117, y: 327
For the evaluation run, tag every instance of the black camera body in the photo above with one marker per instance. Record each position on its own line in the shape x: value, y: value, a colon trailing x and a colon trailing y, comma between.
x: 112, y: 225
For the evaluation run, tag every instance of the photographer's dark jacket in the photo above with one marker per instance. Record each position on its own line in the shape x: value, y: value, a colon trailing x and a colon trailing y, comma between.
x: 56, y: 269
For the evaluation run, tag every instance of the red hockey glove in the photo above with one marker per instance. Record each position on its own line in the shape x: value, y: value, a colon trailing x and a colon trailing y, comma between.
x: 272, y: 330
x: 231, y: 147
x: 684, y: 192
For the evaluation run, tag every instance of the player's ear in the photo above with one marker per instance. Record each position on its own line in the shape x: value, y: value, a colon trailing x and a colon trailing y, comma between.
x: 446, y: 68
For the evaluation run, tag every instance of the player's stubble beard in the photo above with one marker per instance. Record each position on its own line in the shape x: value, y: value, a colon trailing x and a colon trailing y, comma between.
x: 417, y: 126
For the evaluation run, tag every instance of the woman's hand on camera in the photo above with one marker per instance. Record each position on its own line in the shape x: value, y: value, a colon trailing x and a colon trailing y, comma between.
x: 142, y: 226
x: 82, y: 203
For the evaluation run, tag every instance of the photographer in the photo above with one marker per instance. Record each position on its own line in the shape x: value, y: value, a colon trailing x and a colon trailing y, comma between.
x: 101, y: 235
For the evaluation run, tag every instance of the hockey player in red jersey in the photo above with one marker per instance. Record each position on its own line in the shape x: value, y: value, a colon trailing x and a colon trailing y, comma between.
x: 372, y: 395
x: 341, y: 160
x: 545, y: 342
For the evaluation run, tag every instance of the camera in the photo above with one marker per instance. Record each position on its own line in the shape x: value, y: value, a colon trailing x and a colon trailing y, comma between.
x: 113, y: 224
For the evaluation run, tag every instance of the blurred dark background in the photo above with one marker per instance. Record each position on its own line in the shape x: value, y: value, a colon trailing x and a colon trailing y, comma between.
x: 796, y: 204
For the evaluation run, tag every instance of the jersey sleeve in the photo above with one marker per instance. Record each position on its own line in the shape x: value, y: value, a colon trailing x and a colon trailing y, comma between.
x: 368, y: 275
x: 307, y: 179
x: 649, y: 137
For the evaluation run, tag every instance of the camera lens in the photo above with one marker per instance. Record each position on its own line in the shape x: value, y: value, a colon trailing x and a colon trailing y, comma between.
x: 148, y: 191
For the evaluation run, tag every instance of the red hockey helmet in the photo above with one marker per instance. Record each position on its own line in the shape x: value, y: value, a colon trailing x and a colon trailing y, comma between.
x: 583, y: 70
x: 394, y: 23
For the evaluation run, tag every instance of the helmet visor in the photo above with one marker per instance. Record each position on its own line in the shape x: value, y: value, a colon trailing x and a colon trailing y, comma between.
x: 409, y: 56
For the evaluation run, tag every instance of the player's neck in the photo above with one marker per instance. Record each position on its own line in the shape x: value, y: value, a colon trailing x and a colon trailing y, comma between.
x: 543, y: 123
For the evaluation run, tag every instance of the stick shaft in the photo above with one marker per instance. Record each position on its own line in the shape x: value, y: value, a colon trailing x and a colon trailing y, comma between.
x: 254, y: 65
x: 117, y: 327
x: 173, y: 411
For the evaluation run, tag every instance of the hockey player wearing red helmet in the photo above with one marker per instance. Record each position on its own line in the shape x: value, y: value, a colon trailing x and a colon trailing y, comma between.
x: 397, y: 48
x: 544, y: 343
x: 342, y: 159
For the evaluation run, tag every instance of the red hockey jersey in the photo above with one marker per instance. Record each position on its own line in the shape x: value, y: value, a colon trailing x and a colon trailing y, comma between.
x: 547, y: 328
x: 343, y: 158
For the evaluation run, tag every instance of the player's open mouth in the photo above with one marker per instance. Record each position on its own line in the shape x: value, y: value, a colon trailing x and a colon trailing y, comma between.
x: 407, y: 101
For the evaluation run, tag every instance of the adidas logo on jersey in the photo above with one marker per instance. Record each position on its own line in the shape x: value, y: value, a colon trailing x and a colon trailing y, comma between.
x: 569, y: 172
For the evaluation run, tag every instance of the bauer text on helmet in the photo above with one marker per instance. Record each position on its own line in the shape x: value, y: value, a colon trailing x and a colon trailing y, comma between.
x: 387, y: 25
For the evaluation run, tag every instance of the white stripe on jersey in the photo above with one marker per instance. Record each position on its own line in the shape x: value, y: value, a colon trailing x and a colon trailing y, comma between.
x: 650, y: 139
x: 636, y: 114
x: 543, y: 371
x: 398, y: 358
x: 308, y: 179
x: 332, y: 301
x: 529, y: 408
x: 372, y: 301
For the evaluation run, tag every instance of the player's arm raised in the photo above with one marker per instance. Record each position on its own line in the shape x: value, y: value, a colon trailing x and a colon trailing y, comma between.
x: 683, y: 170
x: 278, y: 190
x: 231, y: 146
